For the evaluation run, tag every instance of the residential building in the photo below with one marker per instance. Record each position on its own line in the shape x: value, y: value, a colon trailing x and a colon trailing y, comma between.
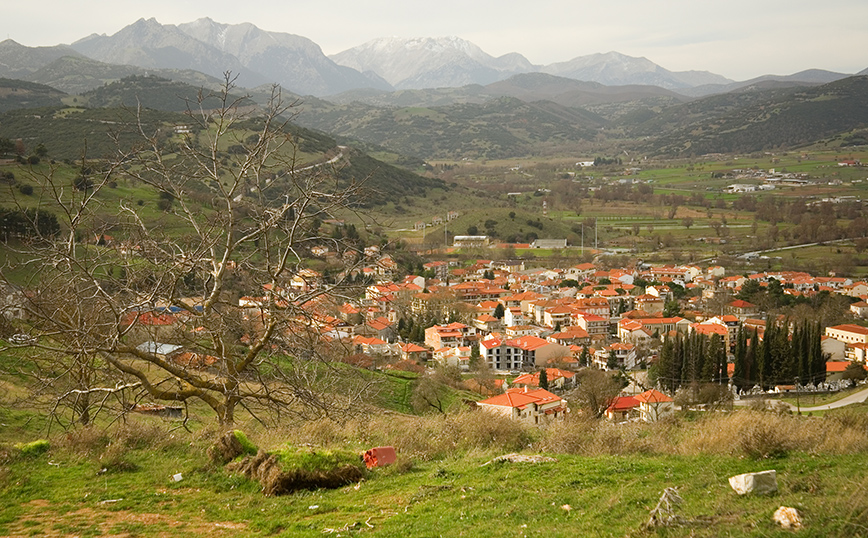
x: 849, y: 333
x: 531, y: 406
x: 654, y: 405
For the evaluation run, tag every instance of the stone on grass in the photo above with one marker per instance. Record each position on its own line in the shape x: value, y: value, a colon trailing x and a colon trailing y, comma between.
x: 759, y: 483
x: 788, y: 518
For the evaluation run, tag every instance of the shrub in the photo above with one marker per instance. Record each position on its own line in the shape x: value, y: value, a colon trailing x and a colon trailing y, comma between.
x: 33, y: 448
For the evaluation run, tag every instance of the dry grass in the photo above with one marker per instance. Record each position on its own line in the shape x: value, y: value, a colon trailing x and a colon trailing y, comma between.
x: 418, y: 438
x: 754, y: 434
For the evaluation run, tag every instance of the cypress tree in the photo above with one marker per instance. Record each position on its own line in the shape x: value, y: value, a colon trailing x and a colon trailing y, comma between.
x: 715, y: 360
x: 739, y: 371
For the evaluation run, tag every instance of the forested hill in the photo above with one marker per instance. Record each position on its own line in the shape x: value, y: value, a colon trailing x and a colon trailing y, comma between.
x: 743, y: 123
x: 152, y: 92
x: 15, y: 94
x: 67, y: 132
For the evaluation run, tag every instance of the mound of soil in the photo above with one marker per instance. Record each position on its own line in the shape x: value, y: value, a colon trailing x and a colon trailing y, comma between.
x: 265, y: 468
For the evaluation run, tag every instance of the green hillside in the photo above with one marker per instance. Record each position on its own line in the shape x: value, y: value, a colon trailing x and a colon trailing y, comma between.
x: 151, y: 92
x: 18, y: 94
x: 76, y: 75
x: 499, y: 128
x: 757, y: 121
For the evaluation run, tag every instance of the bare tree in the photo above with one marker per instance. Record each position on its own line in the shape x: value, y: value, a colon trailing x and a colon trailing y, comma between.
x: 595, y: 390
x: 218, y: 269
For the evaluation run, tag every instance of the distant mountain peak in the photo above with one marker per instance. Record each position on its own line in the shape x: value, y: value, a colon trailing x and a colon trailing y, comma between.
x: 420, y: 62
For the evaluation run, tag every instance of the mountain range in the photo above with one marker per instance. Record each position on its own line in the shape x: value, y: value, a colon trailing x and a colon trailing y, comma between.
x: 257, y: 57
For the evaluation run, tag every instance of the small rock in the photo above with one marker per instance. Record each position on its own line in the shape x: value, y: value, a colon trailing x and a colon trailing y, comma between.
x: 788, y: 518
x: 759, y: 483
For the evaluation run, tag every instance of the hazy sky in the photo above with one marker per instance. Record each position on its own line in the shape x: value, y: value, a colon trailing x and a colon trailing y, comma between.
x: 739, y: 39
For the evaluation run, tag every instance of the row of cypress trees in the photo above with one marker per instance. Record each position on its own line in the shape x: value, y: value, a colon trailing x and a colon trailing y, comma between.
x: 779, y: 358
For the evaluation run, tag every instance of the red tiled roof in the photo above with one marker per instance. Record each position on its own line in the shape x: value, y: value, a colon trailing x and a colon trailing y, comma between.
x: 623, y: 403
x: 653, y: 396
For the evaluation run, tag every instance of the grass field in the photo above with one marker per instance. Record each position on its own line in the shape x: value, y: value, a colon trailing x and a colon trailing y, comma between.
x: 86, y: 486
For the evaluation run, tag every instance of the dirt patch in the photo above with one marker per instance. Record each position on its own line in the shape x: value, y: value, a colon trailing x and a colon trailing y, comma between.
x: 265, y: 468
x: 119, y: 524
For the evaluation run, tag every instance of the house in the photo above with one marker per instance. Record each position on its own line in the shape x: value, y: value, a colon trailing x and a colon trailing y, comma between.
x: 622, y: 408
x: 742, y: 309
x: 624, y: 355
x: 594, y: 325
x: 487, y: 323
x: 410, y: 352
x: 632, y: 331
x: 453, y: 356
x: 451, y: 335
x: 370, y: 345
x: 570, y: 336
x: 556, y: 378
x: 518, y: 353
x: 654, y: 405
x: 859, y: 309
x: 849, y: 333
x: 531, y: 406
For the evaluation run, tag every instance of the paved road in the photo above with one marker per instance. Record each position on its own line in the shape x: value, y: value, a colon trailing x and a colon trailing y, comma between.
x: 856, y: 397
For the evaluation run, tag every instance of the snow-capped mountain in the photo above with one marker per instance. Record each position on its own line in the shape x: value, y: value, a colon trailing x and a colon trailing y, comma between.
x: 295, y: 62
x: 254, y: 55
x: 429, y: 62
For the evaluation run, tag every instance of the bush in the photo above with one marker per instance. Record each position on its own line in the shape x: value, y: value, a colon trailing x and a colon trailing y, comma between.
x: 26, y: 190
x: 33, y: 448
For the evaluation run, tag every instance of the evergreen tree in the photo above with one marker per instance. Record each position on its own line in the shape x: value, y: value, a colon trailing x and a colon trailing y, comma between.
x: 543, y: 379
x: 816, y: 358
x: 750, y: 359
x: 739, y: 371
x: 474, y: 361
x: 612, y: 363
x: 782, y: 356
x: 765, y: 363
x: 584, y: 357
x: 715, y: 360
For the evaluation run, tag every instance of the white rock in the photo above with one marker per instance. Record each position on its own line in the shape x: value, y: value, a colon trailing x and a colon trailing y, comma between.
x: 759, y: 483
x: 788, y: 518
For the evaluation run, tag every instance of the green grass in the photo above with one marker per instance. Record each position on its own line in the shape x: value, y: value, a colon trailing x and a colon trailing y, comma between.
x: 456, y: 496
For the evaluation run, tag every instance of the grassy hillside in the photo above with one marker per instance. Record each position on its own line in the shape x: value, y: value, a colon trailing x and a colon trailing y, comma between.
x: 501, y: 127
x: 603, y: 480
x: 76, y: 75
x: 757, y: 121
x: 15, y: 94
x: 150, y: 92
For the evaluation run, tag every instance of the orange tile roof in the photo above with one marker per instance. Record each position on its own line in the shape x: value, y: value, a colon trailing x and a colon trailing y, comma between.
x: 653, y: 396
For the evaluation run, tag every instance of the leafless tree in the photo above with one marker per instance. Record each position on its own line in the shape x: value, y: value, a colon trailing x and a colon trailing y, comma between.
x: 595, y: 390
x: 218, y: 267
